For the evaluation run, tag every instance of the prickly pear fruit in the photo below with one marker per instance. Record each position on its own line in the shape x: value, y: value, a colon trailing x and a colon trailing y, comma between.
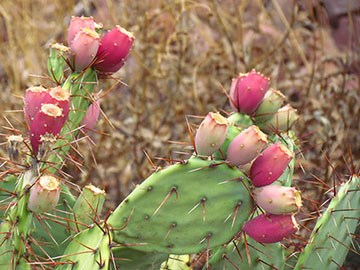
x: 247, y: 91
x: 211, y: 134
x: 60, y: 97
x: 281, y: 121
x: 270, y: 164
x: 193, y: 206
x: 92, y: 115
x: 33, y: 99
x: 44, y: 194
x: 269, y: 228
x: 84, y: 48
x: 271, y: 103
x: 77, y: 24
x: 246, y: 146
x: 114, y: 48
x: 278, y: 200
x: 49, y: 120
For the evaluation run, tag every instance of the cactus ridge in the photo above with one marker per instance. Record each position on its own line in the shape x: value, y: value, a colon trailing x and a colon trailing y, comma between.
x: 247, y: 254
x: 332, y: 236
x: 89, y: 249
x: 193, y: 206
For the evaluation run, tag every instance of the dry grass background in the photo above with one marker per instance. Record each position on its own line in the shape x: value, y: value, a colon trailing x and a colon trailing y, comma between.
x: 185, y: 55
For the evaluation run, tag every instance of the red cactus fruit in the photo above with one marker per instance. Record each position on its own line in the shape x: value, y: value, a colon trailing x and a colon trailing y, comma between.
x: 278, y: 200
x: 269, y: 228
x: 246, y: 146
x: 33, y: 99
x: 77, y: 24
x: 211, y: 134
x: 270, y: 164
x: 84, y: 48
x: 271, y: 103
x: 44, y: 194
x: 282, y: 120
x: 49, y: 120
x: 91, y: 115
x: 247, y: 91
x: 115, y: 46
x: 59, y: 97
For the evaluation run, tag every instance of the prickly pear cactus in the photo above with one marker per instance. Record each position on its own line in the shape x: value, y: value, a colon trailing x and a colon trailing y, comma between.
x: 197, y: 214
x: 247, y: 254
x: 184, y: 208
x: 333, y: 235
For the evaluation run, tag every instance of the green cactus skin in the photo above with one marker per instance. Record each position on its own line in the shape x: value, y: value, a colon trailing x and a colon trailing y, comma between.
x: 177, y: 262
x: 130, y: 259
x: 232, y: 132
x: 184, y: 209
x: 6, y: 251
x: 56, y: 63
x: 7, y: 186
x: 89, y: 249
x: 333, y: 233
x: 88, y: 207
x: 250, y: 255
x: 241, y: 120
x: 54, y: 231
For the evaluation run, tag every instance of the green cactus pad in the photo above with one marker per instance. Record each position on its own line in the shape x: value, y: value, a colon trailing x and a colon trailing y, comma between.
x: 88, y: 250
x: 88, y: 207
x: 184, y: 208
x: 177, y: 262
x: 251, y: 255
x: 131, y: 259
x: 332, y: 236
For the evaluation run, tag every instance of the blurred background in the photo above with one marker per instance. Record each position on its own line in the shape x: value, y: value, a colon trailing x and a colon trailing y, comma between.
x: 185, y: 55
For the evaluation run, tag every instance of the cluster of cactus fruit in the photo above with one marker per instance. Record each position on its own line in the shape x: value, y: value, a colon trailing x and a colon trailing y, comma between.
x: 227, y: 207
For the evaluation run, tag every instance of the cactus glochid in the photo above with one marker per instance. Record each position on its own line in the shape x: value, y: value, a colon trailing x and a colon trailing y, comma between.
x: 224, y: 207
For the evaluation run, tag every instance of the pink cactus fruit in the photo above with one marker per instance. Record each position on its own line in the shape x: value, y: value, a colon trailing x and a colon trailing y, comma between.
x: 211, y: 134
x: 114, y: 48
x: 247, y: 91
x: 270, y: 164
x: 269, y: 228
x: 44, y: 194
x: 84, y: 48
x: 77, y: 24
x: 271, y: 103
x: 59, y: 97
x: 282, y: 120
x: 91, y: 115
x: 246, y: 146
x: 33, y: 99
x: 49, y: 120
x: 278, y: 200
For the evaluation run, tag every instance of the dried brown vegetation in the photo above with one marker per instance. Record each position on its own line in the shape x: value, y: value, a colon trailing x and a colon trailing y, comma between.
x: 185, y: 55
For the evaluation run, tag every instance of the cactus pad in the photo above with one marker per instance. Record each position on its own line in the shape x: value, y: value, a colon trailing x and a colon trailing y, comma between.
x: 185, y: 208
x: 332, y: 236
